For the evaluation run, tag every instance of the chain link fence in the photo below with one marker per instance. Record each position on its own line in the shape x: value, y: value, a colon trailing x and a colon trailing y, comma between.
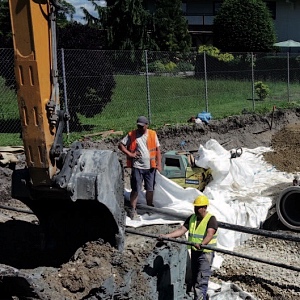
x: 9, y: 114
x: 104, y: 90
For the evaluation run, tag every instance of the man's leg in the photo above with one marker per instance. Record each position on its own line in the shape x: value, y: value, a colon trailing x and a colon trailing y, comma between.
x: 195, y: 270
x: 204, y: 262
x: 136, y: 184
x: 133, y: 199
x: 149, y: 179
x: 149, y: 198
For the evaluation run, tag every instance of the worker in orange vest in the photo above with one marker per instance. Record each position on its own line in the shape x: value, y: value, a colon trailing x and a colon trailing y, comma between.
x: 142, y: 148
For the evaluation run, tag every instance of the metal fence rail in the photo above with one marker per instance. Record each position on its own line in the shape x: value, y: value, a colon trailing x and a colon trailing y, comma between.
x: 105, y: 90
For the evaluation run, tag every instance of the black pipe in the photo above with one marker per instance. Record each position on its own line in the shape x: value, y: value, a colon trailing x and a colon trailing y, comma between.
x: 256, y: 231
x: 288, y: 207
x: 180, y: 216
x: 262, y: 232
x: 280, y: 265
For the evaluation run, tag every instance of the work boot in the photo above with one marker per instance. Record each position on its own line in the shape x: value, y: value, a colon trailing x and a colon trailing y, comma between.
x: 136, y: 217
x: 150, y: 212
x: 132, y: 214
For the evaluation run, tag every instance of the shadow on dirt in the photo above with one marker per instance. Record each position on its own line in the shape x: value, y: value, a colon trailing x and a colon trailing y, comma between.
x: 54, y: 239
x: 21, y: 245
x: 272, y: 223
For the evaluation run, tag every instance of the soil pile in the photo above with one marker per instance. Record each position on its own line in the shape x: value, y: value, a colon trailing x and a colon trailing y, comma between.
x: 286, y: 149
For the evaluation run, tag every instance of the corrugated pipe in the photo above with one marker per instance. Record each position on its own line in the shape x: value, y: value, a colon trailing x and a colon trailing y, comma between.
x: 288, y: 207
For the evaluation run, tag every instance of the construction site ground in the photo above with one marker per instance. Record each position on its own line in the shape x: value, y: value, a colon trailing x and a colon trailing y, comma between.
x: 95, y: 262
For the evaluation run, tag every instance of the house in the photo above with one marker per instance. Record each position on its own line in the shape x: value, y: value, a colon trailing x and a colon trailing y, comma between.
x: 200, y: 15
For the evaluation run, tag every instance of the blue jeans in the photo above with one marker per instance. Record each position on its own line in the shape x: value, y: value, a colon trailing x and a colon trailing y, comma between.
x: 201, y: 270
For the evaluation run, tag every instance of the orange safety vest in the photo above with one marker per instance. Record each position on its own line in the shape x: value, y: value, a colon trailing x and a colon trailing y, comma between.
x: 151, y: 145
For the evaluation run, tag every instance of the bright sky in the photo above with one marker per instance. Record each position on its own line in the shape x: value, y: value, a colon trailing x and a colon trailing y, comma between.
x: 84, y: 3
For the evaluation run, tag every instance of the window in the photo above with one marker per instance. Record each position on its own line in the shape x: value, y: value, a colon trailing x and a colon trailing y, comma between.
x: 172, y: 162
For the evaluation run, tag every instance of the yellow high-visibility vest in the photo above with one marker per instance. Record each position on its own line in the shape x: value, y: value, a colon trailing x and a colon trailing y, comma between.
x: 197, y: 234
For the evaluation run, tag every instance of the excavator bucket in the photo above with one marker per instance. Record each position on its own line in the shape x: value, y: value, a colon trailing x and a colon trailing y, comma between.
x: 85, y: 201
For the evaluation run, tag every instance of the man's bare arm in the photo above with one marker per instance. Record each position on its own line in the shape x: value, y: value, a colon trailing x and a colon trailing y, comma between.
x: 176, y: 233
x: 124, y: 149
x: 158, y: 159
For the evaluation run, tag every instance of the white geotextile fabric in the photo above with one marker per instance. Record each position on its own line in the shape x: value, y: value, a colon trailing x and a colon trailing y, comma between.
x: 227, y: 291
x: 237, y: 193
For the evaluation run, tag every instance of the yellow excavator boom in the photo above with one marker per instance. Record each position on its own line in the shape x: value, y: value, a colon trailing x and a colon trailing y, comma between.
x: 32, y: 37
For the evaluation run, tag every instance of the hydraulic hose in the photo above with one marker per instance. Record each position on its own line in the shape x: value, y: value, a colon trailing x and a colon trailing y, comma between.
x: 288, y: 207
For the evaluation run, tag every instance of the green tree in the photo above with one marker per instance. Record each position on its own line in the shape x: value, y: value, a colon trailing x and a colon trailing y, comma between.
x: 78, y: 36
x: 262, y: 90
x: 170, y: 27
x: 244, y: 26
x: 65, y: 9
x: 96, y: 22
x: 127, y: 24
x: 5, y: 27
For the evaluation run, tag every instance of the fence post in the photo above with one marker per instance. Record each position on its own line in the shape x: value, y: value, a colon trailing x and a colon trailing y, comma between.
x: 148, y: 87
x: 288, y: 76
x: 252, y: 76
x: 65, y: 89
x: 205, y: 82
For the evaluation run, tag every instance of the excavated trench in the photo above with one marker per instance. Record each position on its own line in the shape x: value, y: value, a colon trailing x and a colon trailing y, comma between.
x: 147, y: 269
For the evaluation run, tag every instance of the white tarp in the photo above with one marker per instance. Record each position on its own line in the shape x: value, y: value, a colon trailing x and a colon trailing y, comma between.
x: 226, y: 291
x: 236, y: 193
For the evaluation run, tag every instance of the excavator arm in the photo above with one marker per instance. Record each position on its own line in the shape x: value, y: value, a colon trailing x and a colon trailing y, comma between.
x: 33, y: 28
x: 76, y: 193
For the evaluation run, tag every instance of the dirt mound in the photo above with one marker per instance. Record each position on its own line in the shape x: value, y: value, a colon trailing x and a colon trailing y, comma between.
x: 96, y: 264
x: 286, y: 149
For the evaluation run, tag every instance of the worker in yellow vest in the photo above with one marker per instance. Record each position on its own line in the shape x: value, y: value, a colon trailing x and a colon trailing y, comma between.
x: 202, y: 227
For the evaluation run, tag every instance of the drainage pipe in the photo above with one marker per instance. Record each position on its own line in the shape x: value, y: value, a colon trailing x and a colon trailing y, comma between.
x: 257, y: 231
x: 180, y: 241
x: 288, y: 207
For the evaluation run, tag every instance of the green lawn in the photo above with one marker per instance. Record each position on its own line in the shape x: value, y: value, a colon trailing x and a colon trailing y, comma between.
x: 174, y: 100
x: 169, y: 100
